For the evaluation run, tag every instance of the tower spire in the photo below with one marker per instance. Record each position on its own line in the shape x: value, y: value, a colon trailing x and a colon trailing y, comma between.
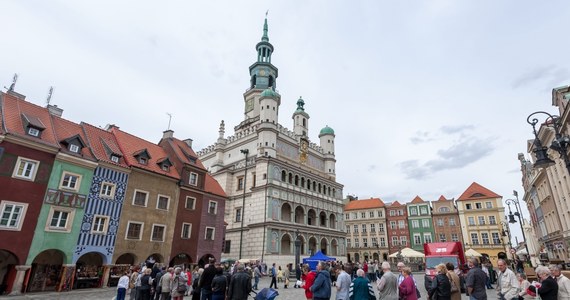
x: 265, y: 38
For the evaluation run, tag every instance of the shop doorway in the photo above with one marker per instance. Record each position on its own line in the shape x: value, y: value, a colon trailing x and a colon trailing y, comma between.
x: 181, y: 259
x: 8, y: 263
x: 126, y: 259
x: 89, y: 272
x: 46, y: 271
x: 204, y: 260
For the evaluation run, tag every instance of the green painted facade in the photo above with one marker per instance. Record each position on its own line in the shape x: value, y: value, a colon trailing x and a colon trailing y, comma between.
x: 420, y: 225
x: 59, y: 199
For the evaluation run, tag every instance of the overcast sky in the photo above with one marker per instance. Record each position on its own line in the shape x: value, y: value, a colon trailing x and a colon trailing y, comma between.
x: 425, y: 97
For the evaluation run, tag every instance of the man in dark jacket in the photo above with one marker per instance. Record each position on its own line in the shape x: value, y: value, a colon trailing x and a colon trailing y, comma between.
x: 240, y: 285
x: 321, y: 288
x: 205, y: 283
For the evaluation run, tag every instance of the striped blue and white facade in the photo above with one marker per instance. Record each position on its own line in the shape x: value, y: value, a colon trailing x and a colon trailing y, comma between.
x: 102, y: 206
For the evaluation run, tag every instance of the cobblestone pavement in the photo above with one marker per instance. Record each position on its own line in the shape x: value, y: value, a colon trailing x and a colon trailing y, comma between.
x: 109, y: 293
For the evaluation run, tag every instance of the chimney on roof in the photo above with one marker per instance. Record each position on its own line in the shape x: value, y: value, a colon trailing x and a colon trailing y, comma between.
x: 108, y: 127
x: 54, y: 110
x: 188, y: 142
x: 167, y: 134
x: 17, y: 95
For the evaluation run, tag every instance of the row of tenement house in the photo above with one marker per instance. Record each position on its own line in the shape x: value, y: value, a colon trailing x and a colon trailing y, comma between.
x: 80, y: 204
x: 477, y: 219
x: 547, y: 190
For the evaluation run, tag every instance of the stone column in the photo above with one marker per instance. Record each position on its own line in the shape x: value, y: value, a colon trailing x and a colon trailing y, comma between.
x: 106, y: 271
x: 19, y: 280
x: 67, y: 278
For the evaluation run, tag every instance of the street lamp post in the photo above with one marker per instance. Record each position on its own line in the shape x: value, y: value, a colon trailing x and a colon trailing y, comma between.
x: 512, y: 220
x: 246, y: 152
x: 297, y: 255
x: 560, y: 143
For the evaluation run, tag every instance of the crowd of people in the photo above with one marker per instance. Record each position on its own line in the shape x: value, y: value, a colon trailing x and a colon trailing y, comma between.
x: 351, y: 282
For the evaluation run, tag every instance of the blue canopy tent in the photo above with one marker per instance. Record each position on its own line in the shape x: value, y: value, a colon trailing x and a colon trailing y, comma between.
x: 314, y: 260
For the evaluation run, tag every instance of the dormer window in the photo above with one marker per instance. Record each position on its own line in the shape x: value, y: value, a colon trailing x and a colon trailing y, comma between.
x: 142, y: 156
x: 115, y: 158
x: 143, y: 160
x: 165, y: 168
x: 33, y: 131
x: 73, y: 148
x: 164, y: 164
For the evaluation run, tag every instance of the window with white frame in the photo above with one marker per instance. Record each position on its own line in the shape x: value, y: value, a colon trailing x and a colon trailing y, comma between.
x: 442, y: 237
x: 163, y: 202
x: 348, y: 243
x: 425, y: 223
x: 481, y: 220
x: 382, y: 242
x: 73, y: 148
x: 485, y: 238
x: 60, y: 219
x: 415, y: 224
x: 468, y: 206
x: 354, y: 215
x: 193, y: 179
x: 140, y: 198
x: 427, y: 238
x: 158, y: 231
x: 400, y: 212
x: 190, y: 203
x: 363, y: 228
x: 12, y: 215
x: 371, y: 214
x: 392, y: 224
x: 381, y: 227
x: 496, y: 239
x: 380, y: 214
x: 33, y: 131
x: 392, y: 213
x: 238, y: 214
x: 478, y: 205
x: 134, y: 230
x: 347, y: 216
x: 100, y: 224
x: 26, y: 169
x: 70, y: 181
x: 401, y: 224
x: 471, y: 221
x: 454, y: 237
x: 365, y: 242
x: 210, y: 233
x: 474, y: 238
x: 417, y: 239
x: 395, y: 241
x: 439, y: 222
x: 186, y: 230
x: 347, y: 228
x: 356, y: 243
x: 240, y: 183
x: 114, y: 158
x: 451, y: 221
x: 363, y: 215
x: 423, y: 210
x: 212, y: 207
x: 492, y: 220
x: 488, y: 204
x: 403, y: 240
x: 373, y: 228
x: 107, y: 190
x: 355, y: 228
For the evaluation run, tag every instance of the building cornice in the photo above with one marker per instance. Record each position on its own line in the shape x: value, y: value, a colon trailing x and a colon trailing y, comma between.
x: 76, y: 160
x: 30, y: 144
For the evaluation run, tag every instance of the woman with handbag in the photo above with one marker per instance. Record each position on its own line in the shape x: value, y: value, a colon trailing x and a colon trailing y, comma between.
x: 454, y: 281
x: 440, y: 286
x: 178, y: 286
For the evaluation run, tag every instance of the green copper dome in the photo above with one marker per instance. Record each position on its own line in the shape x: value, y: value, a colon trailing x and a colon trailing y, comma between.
x: 269, y: 93
x: 326, y: 130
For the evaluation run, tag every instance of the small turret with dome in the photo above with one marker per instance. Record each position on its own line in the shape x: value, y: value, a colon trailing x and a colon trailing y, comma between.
x: 326, y: 137
x: 301, y: 119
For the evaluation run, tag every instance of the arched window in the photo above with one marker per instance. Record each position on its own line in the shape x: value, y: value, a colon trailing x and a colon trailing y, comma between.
x: 283, y: 175
x: 308, y: 184
x: 286, y: 212
x: 286, y: 244
x: 332, y: 221
x: 297, y: 180
x: 290, y: 177
x: 322, y: 219
x: 444, y: 209
x: 312, y: 218
x: 299, y: 215
x: 303, y: 182
x: 319, y: 187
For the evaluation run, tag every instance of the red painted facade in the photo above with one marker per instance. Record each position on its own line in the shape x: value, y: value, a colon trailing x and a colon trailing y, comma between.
x: 396, y: 212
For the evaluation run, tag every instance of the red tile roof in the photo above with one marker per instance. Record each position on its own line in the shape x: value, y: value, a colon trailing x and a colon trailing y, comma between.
x: 130, y: 144
x: 103, y: 144
x: 441, y: 198
x: 364, y: 204
x: 417, y: 200
x: 13, y: 124
x: 65, y: 129
x: 395, y: 204
x: 477, y: 191
x: 212, y: 186
x: 185, y: 152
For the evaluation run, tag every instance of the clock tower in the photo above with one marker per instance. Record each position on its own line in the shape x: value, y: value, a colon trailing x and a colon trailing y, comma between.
x: 263, y: 75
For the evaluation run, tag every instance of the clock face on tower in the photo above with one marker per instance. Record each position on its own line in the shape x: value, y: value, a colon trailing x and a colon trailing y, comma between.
x: 248, y: 105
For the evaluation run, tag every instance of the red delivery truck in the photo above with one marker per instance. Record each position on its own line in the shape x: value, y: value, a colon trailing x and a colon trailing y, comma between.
x: 442, y: 253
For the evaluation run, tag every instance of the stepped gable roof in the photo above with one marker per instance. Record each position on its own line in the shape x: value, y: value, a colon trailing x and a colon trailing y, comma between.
x: 131, y: 145
x: 16, y: 112
x: 364, y: 204
x: 66, y: 131
x: 417, y: 200
x: 441, y: 198
x: 103, y: 144
x: 185, y: 153
x: 212, y: 186
x: 477, y: 191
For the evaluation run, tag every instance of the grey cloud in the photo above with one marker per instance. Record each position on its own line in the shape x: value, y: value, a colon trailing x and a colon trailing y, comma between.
x: 455, y: 129
x: 421, y: 137
x: 553, y: 74
x: 371, y: 168
x: 459, y: 155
